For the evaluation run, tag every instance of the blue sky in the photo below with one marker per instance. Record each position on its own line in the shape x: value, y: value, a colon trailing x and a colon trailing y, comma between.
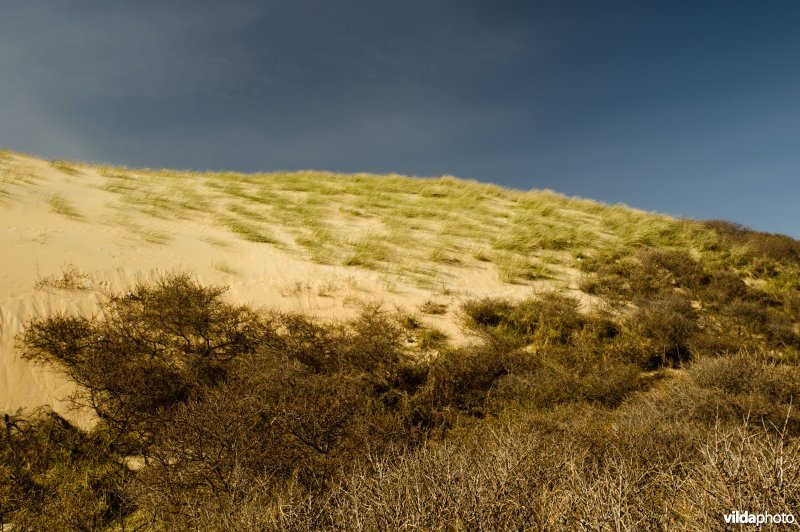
x: 688, y: 108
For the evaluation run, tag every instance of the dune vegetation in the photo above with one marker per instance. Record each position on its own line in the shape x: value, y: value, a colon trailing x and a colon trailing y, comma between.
x: 648, y: 384
x: 416, y: 228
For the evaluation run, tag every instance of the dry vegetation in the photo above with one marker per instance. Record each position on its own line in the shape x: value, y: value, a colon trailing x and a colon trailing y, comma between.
x: 664, y: 408
x: 12, y: 176
x: 663, y: 405
x: 418, y: 229
x: 61, y: 205
x: 421, y: 230
x: 71, y: 279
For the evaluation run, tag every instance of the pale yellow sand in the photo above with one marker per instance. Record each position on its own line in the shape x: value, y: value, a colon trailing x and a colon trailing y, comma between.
x: 53, y: 220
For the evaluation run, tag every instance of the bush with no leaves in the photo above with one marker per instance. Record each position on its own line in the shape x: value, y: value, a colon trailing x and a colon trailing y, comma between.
x: 149, y: 350
x: 574, y: 469
x: 556, y: 419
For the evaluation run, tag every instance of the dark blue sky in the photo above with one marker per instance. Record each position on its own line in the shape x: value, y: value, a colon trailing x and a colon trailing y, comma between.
x: 689, y: 108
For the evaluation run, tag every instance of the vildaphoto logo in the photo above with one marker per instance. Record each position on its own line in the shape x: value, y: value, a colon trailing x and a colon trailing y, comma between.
x: 758, y: 519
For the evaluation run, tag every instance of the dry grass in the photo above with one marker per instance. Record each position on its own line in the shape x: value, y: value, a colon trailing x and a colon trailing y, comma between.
x: 247, y: 230
x: 224, y: 267
x: 65, y: 167
x: 516, y: 269
x: 433, y: 307
x: 391, y: 223
x: 60, y: 205
x: 71, y: 278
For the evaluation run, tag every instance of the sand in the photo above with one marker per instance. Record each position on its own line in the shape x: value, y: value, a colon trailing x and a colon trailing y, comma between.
x: 109, y: 251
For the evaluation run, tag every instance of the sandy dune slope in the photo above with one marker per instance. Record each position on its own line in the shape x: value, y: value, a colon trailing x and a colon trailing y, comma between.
x: 65, y: 239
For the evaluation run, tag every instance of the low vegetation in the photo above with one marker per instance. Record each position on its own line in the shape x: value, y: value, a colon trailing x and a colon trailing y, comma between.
x: 650, y: 381
x: 392, y: 223
x: 60, y: 205
x: 71, y: 278
x: 65, y: 167
x: 662, y: 408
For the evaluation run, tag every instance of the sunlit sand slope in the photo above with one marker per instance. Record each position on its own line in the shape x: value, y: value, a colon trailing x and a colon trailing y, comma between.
x: 311, y: 242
